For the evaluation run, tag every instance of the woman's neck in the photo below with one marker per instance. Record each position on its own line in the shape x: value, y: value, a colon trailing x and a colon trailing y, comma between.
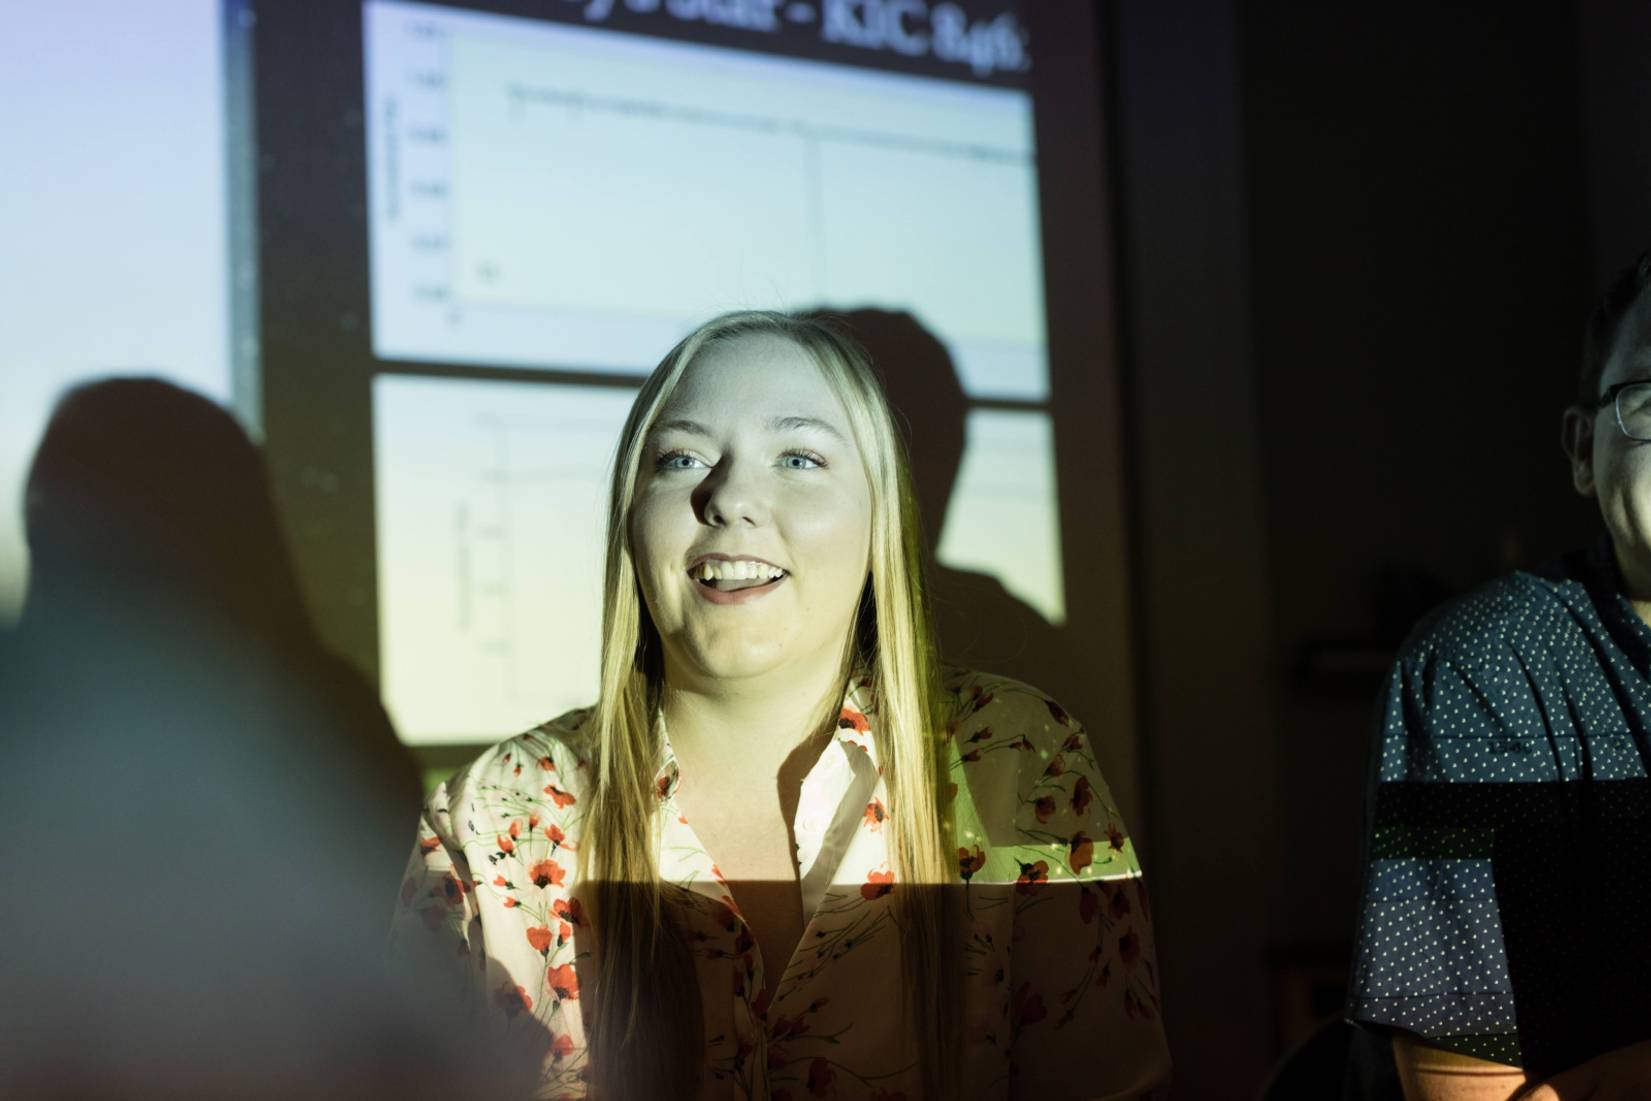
x: 751, y: 724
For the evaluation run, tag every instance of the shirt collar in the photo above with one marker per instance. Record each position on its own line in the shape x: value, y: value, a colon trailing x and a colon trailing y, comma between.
x: 854, y: 734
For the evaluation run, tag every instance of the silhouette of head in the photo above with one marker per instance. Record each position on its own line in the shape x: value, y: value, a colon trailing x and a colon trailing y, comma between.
x: 930, y: 406
x: 145, y: 492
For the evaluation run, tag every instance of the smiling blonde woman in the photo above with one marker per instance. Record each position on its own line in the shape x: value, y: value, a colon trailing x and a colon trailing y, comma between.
x: 786, y: 854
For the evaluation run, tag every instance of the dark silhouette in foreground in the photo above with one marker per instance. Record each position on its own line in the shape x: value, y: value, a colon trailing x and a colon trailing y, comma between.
x: 207, y: 813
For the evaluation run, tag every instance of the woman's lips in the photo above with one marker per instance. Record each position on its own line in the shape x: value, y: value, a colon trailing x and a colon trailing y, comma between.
x: 737, y: 596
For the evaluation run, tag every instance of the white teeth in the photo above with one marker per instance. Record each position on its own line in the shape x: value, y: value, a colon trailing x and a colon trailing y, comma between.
x: 743, y: 570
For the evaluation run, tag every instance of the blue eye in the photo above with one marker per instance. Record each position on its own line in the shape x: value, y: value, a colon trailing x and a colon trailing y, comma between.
x: 801, y: 460
x: 675, y: 460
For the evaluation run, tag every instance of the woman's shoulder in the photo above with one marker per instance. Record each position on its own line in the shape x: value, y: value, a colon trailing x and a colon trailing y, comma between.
x: 990, y: 707
x: 1004, y: 732
x: 1029, y: 787
x: 550, y: 765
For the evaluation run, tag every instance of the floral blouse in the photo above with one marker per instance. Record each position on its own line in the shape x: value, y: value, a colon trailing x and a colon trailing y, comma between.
x: 1059, y: 977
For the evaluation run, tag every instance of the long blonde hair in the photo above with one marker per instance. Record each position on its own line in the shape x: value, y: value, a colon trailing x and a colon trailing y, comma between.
x: 645, y: 1035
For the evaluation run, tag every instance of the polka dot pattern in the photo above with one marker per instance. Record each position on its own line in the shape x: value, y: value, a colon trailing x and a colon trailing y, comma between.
x: 1507, y: 885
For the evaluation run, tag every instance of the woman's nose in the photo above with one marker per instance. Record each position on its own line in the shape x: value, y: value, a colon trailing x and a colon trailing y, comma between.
x: 731, y: 495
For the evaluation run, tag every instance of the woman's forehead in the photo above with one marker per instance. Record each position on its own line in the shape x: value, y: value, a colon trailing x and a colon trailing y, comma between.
x: 758, y: 377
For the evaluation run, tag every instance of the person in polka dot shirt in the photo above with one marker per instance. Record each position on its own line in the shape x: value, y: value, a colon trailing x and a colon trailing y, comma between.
x: 1504, y: 940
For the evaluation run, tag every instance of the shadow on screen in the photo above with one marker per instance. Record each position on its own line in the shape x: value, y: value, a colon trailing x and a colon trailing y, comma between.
x: 207, y: 813
x: 981, y: 624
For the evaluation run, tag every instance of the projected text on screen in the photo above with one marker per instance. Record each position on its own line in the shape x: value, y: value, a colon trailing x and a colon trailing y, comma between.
x: 555, y: 196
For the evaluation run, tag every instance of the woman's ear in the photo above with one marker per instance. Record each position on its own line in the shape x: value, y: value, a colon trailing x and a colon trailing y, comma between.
x: 1577, y: 438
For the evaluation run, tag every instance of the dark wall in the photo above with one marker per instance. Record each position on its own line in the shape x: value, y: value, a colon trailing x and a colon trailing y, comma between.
x: 1419, y: 274
x: 1357, y: 244
x: 1200, y: 570
x: 1616, y: 126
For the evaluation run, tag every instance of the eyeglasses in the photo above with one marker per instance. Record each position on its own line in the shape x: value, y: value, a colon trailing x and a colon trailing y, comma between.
x: 1632, y: 403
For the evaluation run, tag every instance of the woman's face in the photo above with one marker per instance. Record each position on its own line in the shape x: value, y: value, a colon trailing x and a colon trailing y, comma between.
x: 751, y: 524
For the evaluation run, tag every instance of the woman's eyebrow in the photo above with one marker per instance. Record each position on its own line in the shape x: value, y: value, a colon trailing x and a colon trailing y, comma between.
x: 776, y: 424
x: 682, y: 424
x: 783, y: 424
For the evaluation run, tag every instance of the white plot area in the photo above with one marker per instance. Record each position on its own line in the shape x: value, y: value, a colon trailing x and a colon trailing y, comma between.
x: 491, y: 510
x: 553, y: 196
x: 1002, y: 518
x: 115, y: 222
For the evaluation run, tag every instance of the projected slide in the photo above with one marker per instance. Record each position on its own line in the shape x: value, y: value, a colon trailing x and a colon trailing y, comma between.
x: 119, y: 187
x: 1002, y: 517
x: 556, y: 196
x: 491, y: 514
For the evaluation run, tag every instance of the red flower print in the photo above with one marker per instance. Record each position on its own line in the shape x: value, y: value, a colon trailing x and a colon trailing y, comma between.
x: 1045, y: 808
x: 514, y: 999
x: 1072, y: 744
x: 876, y: 814
x: 547, y: 872
x: 1057, y: 765
x: 429, y: 844
x: 500, y: 881
x: 515, y: 828
x: 1021, y: 743
x: 982, y: 735
x: 662, y: 786
x: 563, y: 982
x: 760, y: 1006
x: 554, y: 834
x: 1082, y: 794
x: 1029, y: 1008
x: 1118, y: 904
x: 1115, y: 837
x: 517, y: 771
x: 564, y: 933
x: 877, y: 885
x: 820, y: 1077
x: 539, y: 937
x: 561, y: 1048
x: 979, y: 698
x: 570, y: 909
x: 453, y: 889
x: 508, y: 903
x: 1031, y: 876
x: 1132, y: 1005
x: 506, y: 844
x: 1129, y: 950
x: 533, y: 821
x: 561, y: 797
x: 972, y: 756
x: 546, y: 764
x: 1080, y: 852
x: 1056, y: 713
x: 968, y: 863
x: 851, y: 719
x: 1088, y: 904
